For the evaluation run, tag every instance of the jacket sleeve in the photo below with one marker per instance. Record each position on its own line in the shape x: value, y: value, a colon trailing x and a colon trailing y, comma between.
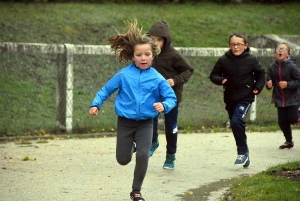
x: 259, y: 75
x: 106, y: 91
x: 295, y: 82
x: 169, y: 99
x: 269, y: 77
x: 216, y: 75
x: 185, y: 71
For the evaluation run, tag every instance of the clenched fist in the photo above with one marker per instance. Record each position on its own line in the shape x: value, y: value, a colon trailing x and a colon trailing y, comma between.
x: 159, y: 107
x: 93, y: 111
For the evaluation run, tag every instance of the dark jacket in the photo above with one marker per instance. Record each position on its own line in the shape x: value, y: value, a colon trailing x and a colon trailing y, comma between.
x: 243, y: 73
x: 293, y: 59
x: 284, y: 71
x: 170, y: 63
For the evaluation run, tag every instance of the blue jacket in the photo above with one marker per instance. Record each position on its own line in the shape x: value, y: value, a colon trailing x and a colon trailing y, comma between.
x: 138, y: 91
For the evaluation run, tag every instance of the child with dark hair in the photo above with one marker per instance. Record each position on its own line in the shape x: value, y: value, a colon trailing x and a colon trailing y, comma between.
x: 142, y: 94
x: 172, y: 65
x: 284, y: 77
x: 242, y: 78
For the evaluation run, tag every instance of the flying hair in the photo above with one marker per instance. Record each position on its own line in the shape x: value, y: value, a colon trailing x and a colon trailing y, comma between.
x: 123, y: 44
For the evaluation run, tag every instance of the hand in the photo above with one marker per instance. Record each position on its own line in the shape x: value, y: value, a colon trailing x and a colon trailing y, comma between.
x: 171, y: 82
x: 93, y: 111
x: 224, y: 81
x: 270, y: 84
x: 255, y: 91
x: 159, y: 107
x: 283, y: 84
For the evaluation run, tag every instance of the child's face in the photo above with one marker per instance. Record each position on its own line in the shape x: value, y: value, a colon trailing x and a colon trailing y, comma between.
x: 158, y: 40
x: 143, y: 56
x: 237, y: 45
x: 281, y: 52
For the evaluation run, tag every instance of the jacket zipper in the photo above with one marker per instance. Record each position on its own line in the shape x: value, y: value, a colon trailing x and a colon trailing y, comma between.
x: 281, y: 90
x: 139, y: 88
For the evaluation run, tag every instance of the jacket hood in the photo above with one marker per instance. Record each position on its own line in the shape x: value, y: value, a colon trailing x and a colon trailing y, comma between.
x: 161, y: 28
x: 293, y: 59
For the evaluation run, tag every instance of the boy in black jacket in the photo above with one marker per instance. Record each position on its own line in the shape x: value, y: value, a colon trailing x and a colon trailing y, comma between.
x: 242, y: 78
x: 177, y: 72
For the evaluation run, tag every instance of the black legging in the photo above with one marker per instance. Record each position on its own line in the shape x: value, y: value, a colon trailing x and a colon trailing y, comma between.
x: 141, y: 133
x: 287, y: 116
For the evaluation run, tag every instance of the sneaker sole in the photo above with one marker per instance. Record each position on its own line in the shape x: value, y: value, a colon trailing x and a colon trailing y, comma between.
x: 168, y: 168
x: 240, y: 165
x: 286, y: 148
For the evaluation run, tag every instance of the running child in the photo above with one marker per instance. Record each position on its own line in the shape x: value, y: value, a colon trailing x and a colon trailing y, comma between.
x: 172, y: 65
x: 242, y: 77
x: 142, y: 94
x: 284, y: 77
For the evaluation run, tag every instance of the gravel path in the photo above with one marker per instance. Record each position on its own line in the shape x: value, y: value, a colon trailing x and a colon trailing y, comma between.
x: 86, y: 169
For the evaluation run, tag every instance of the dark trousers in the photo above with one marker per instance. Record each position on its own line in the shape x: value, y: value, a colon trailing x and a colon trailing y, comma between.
x: 236, y: 115
x: 287, y: 116
x: 171, y: 130
x: 141, y: 133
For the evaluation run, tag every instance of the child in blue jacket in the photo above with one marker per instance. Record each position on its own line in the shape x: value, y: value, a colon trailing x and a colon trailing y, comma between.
x: 142, y: 94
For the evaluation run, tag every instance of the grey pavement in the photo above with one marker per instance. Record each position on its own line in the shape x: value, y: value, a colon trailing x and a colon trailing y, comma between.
x: 86, y: 169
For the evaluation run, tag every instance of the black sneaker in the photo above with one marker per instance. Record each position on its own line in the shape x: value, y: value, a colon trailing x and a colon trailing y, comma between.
x: 136, y: 196
x: 287, y: 145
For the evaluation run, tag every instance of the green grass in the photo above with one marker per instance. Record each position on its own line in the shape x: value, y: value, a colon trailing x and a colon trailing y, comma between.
x: 267, y: 187
x: 193, y: 25
x: 28, y: 81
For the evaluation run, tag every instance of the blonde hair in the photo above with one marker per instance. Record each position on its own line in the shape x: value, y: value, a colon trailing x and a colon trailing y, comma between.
x: 123, y: 44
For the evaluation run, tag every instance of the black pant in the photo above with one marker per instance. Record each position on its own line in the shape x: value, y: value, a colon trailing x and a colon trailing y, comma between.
x: 140, y: 132
x: 236, y: 115
x: 171, y: 130
x: 287, y: 116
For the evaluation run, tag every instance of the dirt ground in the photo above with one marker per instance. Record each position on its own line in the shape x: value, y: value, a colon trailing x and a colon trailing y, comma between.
x: 290, y: 174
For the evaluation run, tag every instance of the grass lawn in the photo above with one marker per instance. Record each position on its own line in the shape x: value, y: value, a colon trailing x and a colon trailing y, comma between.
x: 269, y: 185
x: 193, y: 25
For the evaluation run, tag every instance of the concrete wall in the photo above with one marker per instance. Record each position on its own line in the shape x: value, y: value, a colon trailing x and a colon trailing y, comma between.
x: 271, y: 40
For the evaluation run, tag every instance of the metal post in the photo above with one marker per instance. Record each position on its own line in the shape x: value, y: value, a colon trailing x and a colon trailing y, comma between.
x: 69, y: 86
